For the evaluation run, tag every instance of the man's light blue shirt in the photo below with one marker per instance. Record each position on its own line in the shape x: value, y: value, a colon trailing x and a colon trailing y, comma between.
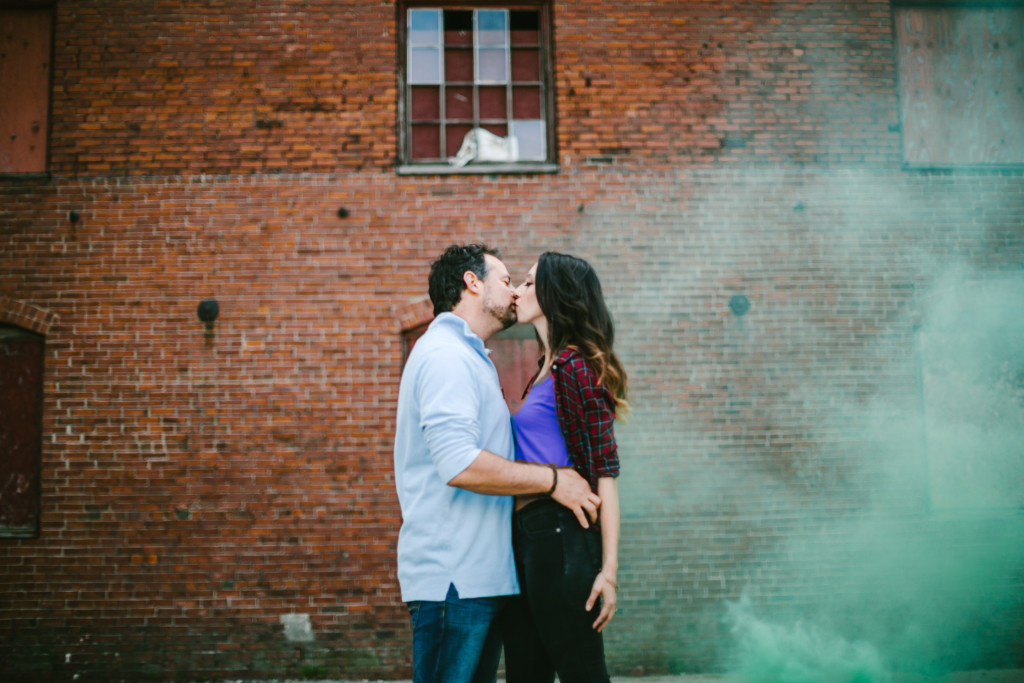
x: 450, y: 407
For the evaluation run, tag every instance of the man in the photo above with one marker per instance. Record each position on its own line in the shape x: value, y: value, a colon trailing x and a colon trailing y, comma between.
x: 455, y: 473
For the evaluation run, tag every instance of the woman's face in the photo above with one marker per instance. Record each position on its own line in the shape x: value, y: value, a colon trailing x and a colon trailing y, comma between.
x: 527, y: 308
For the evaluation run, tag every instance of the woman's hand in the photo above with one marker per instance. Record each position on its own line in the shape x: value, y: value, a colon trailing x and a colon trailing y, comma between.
x: 606, y: 589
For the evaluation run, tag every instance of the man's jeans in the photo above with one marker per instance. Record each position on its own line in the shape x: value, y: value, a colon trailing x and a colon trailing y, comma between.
x: 453, y: 641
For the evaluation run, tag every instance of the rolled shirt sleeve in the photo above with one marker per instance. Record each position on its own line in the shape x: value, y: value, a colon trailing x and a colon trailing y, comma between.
x: 449, y: 400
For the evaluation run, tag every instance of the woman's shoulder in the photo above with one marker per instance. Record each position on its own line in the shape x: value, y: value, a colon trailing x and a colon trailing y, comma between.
x: 570, y: 362
x: 575, y: 378
x: 570, y: 357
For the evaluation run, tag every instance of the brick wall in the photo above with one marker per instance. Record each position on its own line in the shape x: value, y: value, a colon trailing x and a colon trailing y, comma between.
x: 197, y: 484
x: 260, y: 87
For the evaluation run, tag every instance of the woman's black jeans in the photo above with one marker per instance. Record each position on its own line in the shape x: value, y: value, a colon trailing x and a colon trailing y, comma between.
x: 547, y: 628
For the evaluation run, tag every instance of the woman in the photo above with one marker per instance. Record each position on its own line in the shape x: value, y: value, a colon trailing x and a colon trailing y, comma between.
x: 567, y: 574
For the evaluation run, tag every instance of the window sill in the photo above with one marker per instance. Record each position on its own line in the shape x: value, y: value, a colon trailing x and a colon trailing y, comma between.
x: 19, y: 532
x: 477, y: 169
x: 974, y: 167
x: 23, y: 175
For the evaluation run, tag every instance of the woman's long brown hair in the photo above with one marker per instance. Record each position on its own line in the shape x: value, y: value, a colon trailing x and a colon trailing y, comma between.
x: 570, y: 296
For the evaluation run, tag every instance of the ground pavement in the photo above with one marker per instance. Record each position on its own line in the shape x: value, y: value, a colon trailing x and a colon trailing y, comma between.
x: 996, y: 676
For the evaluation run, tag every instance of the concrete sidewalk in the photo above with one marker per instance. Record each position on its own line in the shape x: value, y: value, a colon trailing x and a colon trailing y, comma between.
x: 994, y: 676
x: 991, y: 676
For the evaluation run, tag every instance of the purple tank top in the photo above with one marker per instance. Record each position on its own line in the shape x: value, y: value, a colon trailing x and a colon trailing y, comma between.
x: 538, y: 436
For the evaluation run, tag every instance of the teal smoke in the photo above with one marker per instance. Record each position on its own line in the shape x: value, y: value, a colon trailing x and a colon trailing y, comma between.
x: 914, y: 590
x: 798, y: 652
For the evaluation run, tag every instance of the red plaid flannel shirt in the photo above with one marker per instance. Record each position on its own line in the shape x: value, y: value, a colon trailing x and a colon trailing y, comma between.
x: 585, y: 413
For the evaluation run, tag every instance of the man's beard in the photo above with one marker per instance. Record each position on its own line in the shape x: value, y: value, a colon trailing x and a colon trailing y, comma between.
x: 506, y: 316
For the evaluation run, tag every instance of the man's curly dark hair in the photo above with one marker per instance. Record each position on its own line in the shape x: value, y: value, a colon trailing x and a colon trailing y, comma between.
x: 446, y: 282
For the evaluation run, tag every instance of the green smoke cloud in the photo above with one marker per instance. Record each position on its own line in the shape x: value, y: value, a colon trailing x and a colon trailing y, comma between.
x: 925, y: 579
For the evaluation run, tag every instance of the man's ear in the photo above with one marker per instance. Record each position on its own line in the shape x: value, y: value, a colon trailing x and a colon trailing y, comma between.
x: 473, y: 283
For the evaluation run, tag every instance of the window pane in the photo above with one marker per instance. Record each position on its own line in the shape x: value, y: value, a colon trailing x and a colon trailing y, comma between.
x: 458, y: 102
x: 491, y: 27
x: 424, y: 65
x: 499, y: 129
x: 493, y: 103
x: 424, y: 27
x: 426, y: 103
x: 532, y: 140
x: 524, y: 27
x: 426, y: 141
x: 458, y: 27
x: 458, y: 66
x: 526, y: 103
x: 456, y: 134
x: 525, y: 65
x: 458, y: 20
x: 491, y: 66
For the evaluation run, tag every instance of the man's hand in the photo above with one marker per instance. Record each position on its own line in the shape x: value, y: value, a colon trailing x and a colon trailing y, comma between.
x: 574, y: 492
x: 495, y: 476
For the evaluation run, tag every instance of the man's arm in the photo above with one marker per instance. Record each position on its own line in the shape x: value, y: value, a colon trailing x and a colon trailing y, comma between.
x: 493, y: 475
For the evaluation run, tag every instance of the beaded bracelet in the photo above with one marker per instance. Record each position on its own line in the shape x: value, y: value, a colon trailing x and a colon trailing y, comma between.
x: 554, y: 480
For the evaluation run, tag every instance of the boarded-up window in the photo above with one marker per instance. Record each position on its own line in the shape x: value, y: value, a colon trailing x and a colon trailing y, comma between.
x: 961, y: 72
x: 514, y: 353
x: 24, y: 89
x: 972, y: 353
x: 21, y: 401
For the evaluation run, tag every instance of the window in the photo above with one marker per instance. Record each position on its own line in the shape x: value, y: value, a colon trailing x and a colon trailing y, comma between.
x: 25, y: 84
x: 21, y: 404
x: 960, y: 84
x: 475, y: 88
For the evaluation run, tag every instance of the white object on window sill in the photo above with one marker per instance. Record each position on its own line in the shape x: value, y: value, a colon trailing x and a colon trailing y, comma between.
x: 483, y: 145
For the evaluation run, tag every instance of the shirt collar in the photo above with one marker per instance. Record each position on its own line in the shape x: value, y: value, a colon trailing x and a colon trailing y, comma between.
x: 565, y: 355
x: 459, y: 325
